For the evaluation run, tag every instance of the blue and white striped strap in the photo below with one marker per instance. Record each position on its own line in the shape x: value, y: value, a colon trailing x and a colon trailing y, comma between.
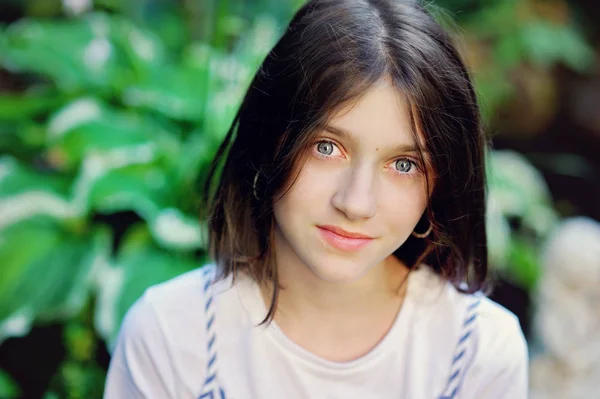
x: 464, y: 352
x: 211, y: 388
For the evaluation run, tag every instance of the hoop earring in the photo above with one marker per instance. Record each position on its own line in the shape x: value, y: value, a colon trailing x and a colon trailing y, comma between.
x: 422, y: 235
x: 254, y: 186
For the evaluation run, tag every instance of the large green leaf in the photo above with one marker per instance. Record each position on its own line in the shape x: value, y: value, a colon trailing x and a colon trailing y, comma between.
x: 75, y: 54
x: 143, y: 50
x: 46, y: 272
x: 141, y: 188
x: 24, y: 138
x: 176, y: 92
x: 88, y: 126
x: 121, y: 190
x: 17, y: 107
x: 25, y: 193
x: 150, y: 191
x: 139, y: 265
x: 100, y: 52
x: 124, y: 178
x: 15, y: 177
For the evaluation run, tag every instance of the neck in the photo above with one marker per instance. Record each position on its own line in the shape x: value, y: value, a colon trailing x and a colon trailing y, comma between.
x: 304, y: 293
x: 338, y: 321
x: 307, y: 302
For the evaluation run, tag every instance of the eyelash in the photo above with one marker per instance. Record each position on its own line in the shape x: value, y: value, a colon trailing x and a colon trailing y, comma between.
x: 409, y: 174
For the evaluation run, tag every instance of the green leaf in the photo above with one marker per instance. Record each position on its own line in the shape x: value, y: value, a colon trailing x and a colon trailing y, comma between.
x: 16, y: 177
x: 46, y: 272
x: 25, y: 193
x: 141, y: 188
x: 524, y: 264
x: 76, y: 379
x: 516, y: 184
x: 139, y: 265
x: 547, y: 43
x: 17, y: 107
x: 8, y: 387
x: 173, y: 229
x: 75, y: 54
x: 509, y: 51
x: 142, y: 49
x: 495, y: 18
x: 24, y: 139
x: 148, y: 190
x: 122, y: 190
x: 175, y: 92
x: 88, y: 126
x: 192, y: 164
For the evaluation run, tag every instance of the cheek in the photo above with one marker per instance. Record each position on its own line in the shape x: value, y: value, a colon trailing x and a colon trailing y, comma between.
x: 307, y: 194
x: 403, y: 205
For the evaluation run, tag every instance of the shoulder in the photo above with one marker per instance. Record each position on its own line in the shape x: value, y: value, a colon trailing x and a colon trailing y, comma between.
x: 497, y: 331
x: 176, y: 294
x: 169, y: 304
x: 160, y: 347
x: 495, y: 359
x: 499, y: 365
x: 501, y: 340
x: 177, y: 307
x: 495, y: 325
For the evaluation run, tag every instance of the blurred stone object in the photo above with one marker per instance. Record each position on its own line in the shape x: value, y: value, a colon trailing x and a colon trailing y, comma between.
x: 567, y: 321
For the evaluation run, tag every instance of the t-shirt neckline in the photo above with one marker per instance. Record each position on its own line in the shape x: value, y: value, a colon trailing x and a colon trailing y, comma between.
x: 252, y: 300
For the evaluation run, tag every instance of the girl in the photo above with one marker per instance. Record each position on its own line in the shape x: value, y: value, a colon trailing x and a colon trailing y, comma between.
x: 346, y: 229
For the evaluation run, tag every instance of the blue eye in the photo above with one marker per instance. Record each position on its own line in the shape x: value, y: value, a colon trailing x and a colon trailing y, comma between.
x: 325, y: 147
x: 404, y: 165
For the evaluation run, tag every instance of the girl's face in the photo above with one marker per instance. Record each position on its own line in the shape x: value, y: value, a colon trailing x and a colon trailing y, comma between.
x: 358, y: 196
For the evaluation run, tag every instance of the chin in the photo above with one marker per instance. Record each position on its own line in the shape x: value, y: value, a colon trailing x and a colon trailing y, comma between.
x: 339, y: 271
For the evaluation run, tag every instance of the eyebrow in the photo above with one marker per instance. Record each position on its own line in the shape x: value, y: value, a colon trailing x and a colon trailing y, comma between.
x: 342, y: 133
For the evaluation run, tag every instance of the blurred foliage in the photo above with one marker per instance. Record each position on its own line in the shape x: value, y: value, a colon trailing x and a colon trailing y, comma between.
x: 115, y: 108
x: 8, y: 388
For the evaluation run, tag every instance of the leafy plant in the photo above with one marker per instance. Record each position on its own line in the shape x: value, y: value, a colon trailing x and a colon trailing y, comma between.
x: 117, y: 116
x: 111, y: 122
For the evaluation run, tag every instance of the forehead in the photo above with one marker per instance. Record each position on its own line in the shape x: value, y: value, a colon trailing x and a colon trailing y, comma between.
x: 381, y: 115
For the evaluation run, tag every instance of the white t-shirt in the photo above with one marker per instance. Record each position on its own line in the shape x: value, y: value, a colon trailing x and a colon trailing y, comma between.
x: 188, y: 338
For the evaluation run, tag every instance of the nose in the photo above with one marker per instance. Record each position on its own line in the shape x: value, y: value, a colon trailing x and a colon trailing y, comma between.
x: 355, y: 196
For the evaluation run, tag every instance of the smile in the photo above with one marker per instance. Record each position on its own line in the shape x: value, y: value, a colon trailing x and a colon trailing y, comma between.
x: 343, y: 240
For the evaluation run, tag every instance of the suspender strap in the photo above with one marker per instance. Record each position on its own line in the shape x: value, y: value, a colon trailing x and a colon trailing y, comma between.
x: 465, y: 351
x: 211, y: 388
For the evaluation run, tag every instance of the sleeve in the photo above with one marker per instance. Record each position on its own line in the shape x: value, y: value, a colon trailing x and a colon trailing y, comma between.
x: 140, y: 366
x: 500, y: 367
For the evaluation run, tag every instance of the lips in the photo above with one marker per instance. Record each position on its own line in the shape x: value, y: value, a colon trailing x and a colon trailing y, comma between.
x: 344, y: 233
x: 342, y: 239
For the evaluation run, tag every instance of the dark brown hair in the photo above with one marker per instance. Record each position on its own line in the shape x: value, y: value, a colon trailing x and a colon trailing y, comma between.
x: 332, y: 52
